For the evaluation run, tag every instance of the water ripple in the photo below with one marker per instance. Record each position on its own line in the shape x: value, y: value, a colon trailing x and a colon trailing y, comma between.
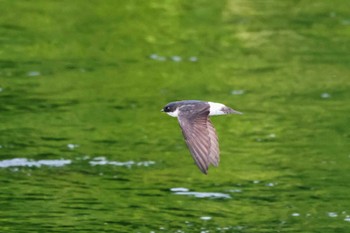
x: 23, y: 162
x: 185, y: 191
x: 104, y: 161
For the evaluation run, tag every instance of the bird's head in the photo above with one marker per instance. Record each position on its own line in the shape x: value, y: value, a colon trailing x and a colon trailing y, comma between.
x: 171, y: 109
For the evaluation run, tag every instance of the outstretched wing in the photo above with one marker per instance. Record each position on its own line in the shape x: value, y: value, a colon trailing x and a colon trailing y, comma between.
x: 214, y: 145
x: 200, y: 136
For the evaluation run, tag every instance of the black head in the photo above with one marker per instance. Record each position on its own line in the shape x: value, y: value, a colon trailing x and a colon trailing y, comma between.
x: 171, y: 107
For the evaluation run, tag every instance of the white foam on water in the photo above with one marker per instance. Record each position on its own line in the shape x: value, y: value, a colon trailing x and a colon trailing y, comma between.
x: 130, y: 163
x: 33, y: 73
x: 237, y: 92
x: 235, y: 190
x: 204, y: 194
x: 193, y: 59
x: 332, y: 214
x: 72, y: 146
x: 179, y: 189
x: 176, y: 58
x: 23, y: 162
x: 325, y: 95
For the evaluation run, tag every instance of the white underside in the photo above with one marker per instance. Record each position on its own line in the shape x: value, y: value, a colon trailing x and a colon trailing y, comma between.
x: 215, y: 109
x: 174, y: 114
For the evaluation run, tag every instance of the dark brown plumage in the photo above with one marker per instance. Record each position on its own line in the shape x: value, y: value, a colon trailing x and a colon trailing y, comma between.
x: 197, y: 129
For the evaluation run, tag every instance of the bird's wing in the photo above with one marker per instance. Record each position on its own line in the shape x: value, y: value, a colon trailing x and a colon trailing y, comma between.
x: 200, y: 137
x: 214, y: 145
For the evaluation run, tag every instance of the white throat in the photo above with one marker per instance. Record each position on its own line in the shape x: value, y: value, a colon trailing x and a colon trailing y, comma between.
x: 175, y: 113
x: 216, y: 109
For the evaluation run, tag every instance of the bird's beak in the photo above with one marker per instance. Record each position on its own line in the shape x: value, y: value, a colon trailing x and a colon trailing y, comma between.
x: 236, y: 112
x: 227, y: 110
x: 162, y: 110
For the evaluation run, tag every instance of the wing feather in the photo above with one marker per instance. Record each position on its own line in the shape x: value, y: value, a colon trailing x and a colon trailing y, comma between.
x: 200, y: 137
x: 214, y: 145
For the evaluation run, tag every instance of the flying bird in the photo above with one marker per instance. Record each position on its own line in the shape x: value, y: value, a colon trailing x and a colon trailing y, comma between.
x: 197, y: 129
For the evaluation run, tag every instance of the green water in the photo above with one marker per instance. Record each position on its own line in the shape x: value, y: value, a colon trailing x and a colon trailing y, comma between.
x: 85, y: 148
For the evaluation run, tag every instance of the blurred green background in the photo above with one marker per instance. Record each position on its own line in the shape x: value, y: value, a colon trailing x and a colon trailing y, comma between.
x: 84, y: 146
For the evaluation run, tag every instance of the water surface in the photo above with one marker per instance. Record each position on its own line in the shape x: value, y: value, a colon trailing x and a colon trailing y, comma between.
x: 85, y: 148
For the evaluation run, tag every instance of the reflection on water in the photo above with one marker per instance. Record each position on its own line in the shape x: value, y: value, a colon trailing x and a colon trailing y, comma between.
x: 23, y: 162
x: 237, y: 92
x: 72, y: 146
x: 174, y: 58
x: 104, y: 161
x: 33, y: 73
x: 84, y: 148
x: 185, y: 191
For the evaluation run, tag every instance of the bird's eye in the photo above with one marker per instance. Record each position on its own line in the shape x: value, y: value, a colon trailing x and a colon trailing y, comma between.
x: 167, y: 109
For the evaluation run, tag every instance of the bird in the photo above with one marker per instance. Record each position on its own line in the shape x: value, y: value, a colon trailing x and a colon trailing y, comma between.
x: 197, y: 129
